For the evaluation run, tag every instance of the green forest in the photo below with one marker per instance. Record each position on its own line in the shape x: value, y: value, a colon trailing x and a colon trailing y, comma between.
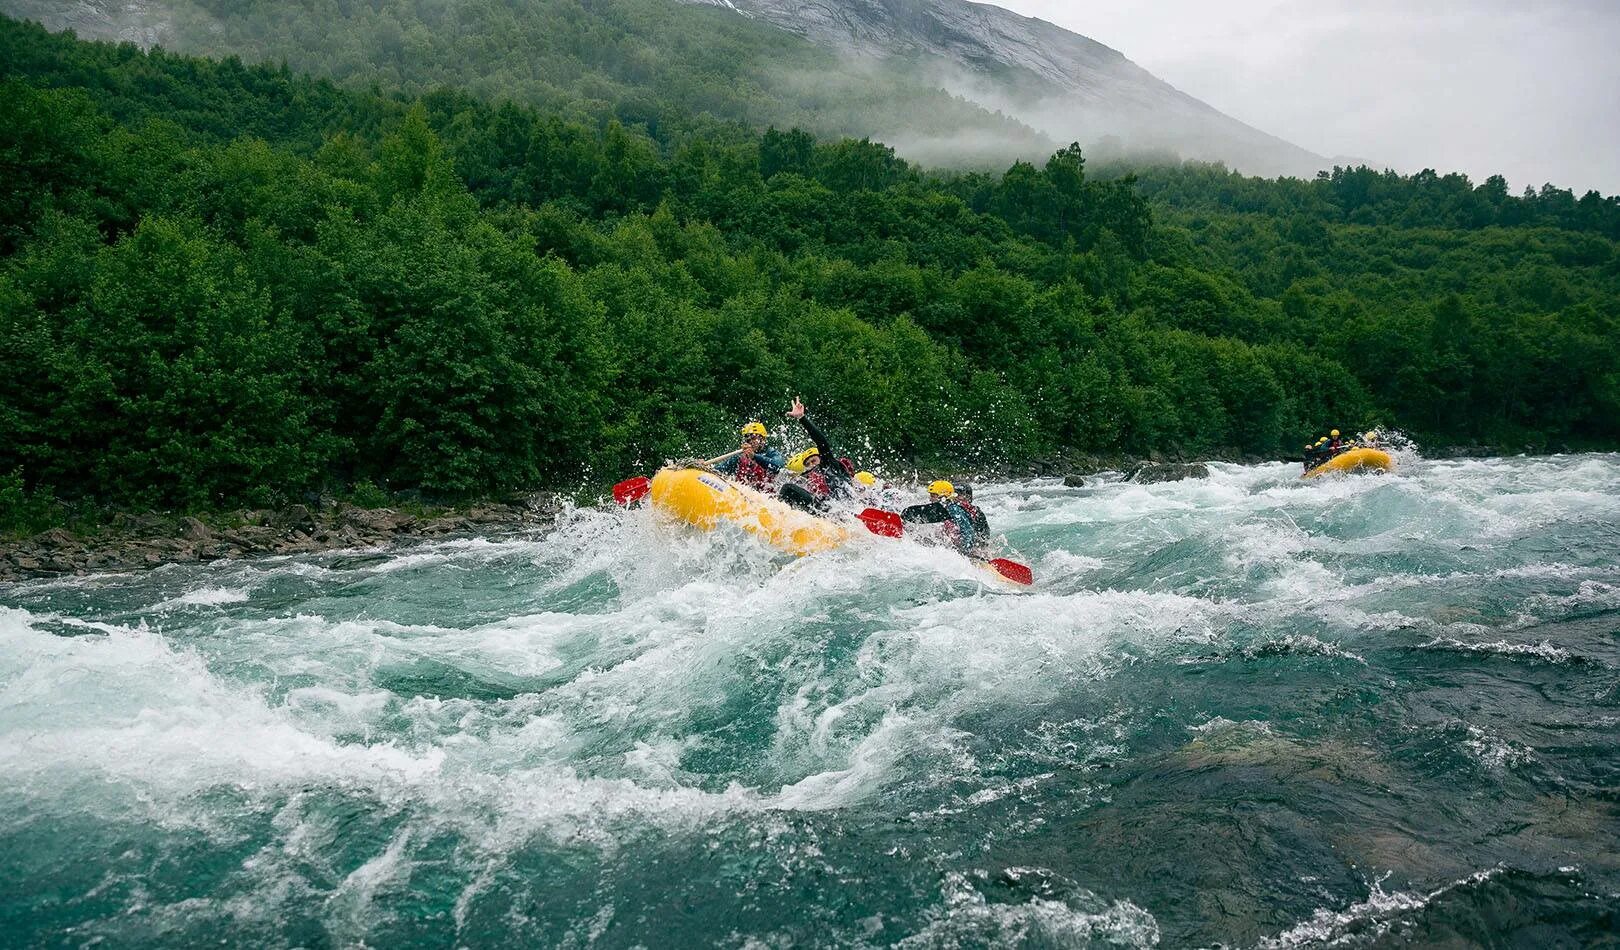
x: 224, y: 284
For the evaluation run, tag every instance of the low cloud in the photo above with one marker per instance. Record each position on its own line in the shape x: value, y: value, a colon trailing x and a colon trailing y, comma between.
x: 1530, y: 91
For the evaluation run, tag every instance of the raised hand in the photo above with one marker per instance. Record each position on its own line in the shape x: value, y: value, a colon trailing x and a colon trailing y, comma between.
x: 797, y: 412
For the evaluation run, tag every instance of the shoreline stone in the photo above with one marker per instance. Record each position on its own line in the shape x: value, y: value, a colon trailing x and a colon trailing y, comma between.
x: 131, y: 542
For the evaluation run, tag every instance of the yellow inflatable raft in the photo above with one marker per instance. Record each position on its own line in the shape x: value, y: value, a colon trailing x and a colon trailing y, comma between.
x: 1355, y: 460
x: 704, y: 500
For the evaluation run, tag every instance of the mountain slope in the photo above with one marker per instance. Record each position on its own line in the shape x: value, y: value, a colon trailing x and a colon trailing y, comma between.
x: 945, y: 81
x: 1065, y: 84
x: 672, y: 68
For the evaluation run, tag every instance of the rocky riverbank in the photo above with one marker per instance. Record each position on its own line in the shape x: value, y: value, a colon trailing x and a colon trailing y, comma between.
x: 137, y: 542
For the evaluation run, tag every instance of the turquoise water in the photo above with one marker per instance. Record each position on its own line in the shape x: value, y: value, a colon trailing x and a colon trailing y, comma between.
x: 1240, y: 711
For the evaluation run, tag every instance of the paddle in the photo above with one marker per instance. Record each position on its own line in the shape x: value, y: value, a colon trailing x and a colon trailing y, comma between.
x: 1013, y: 571
x: 884, y: 524
x: 632, y: 490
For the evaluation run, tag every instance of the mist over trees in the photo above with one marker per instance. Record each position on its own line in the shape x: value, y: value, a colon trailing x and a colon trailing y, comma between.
x: 223, y: 285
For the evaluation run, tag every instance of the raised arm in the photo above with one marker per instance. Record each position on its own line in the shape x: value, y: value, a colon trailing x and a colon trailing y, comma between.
x: 816, y: 435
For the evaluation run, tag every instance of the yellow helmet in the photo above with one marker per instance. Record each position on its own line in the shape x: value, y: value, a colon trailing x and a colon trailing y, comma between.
x: 866, y: 478
x: 796, y: 463
x: 755, y: 428
x: 1370, y: 436
x: 1334, y: 433
x: 943, y: 489
x: 1321, y: 440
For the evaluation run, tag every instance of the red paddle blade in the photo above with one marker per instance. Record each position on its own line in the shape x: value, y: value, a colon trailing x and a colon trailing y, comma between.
x: 632, y: 490
x: 1013, y: 571
x: 884, y: 524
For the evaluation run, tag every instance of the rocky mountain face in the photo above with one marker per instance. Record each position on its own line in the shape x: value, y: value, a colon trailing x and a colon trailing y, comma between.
x: 1064, y: 84
x: 123, y: 21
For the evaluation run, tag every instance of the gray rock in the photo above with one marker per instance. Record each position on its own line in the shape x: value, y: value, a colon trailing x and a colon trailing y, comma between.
x: 1149, y: 473
x: 299, y: 516
x: 54, y: 538
x: 1073, y: 481
x: 373, y: 520
x: 194, y: 530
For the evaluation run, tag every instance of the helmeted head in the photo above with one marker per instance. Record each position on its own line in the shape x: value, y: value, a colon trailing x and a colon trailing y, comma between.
x: 965, y: 493
x: 804, y: 461
x: 941, y: 489
x: 866, y: 478
x: 1309, y: 444
x: 1322, y: 440
x: 1334, y: 433
x: 754, y: 433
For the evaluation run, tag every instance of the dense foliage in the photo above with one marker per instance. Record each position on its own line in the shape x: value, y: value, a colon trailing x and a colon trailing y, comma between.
x: 224, y: 284
x: 1362, y: 196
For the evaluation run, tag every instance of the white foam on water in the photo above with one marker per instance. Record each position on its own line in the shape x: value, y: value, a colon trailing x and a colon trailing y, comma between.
x: 204, y: 597
x: 1543, y: 651
x: 1369, y: 919
x: 1493, y: 751
x: 128, y: 716
x: 966, y: 918
x: 1066, y: 564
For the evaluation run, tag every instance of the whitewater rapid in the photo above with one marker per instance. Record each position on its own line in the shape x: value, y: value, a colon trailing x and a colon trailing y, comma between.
x: 1244, y: 710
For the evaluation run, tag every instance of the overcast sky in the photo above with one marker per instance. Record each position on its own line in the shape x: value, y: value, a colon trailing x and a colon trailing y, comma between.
x: 1530, y: 90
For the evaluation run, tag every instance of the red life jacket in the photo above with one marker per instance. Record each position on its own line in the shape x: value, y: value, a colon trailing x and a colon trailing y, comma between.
x: 817, y: 484
x: 753, y: 474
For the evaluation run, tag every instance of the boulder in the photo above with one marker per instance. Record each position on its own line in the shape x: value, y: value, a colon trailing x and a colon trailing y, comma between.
x: 1073, y: 481
x: 1149, y: 473
x: 54, y: 538
x: 385, y: 520
x: 194, y: 530
x: 299, y: 516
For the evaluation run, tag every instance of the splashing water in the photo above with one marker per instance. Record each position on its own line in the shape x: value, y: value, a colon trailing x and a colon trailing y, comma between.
x: 1241, y: 710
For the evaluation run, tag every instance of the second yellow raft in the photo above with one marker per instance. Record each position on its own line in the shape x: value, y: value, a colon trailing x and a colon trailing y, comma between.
x: 704, y: 500
x: 1355, y: 460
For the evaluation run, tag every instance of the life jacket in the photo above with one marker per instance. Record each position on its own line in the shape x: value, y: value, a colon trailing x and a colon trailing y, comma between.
x: 959, y: 525
x: 751, y: 473
x: 849, y: 466
x: 817, y: 485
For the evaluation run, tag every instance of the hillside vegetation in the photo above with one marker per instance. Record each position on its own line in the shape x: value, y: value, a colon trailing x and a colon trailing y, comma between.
x: 223, y: 284
x: 671, y: 69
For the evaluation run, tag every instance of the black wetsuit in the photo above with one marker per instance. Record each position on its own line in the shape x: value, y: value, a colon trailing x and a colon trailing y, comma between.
x: 967, y: 532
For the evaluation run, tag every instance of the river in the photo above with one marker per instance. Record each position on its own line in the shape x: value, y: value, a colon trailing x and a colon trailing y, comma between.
x: 1242, y: 710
